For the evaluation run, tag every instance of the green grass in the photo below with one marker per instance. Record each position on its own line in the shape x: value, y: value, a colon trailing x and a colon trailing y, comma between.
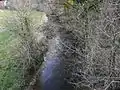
x: 6, y: 72
x: 5, y: 39
x: 10, y: 74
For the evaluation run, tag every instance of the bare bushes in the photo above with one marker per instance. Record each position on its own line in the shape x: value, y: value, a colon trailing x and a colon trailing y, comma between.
x: 100, y: 31
x: 94, y: 35
x: 26, y: 27
x: 108, y: 33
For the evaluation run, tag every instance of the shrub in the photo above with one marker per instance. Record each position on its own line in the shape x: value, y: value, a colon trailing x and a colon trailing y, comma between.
x: 26, y: 55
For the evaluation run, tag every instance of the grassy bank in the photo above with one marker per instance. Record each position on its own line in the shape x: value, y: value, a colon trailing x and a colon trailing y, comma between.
x: 11, y: 72
x: 7, y: 62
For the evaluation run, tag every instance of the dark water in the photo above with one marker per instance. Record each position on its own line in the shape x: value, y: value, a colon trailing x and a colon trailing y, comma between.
x: 53, y: 76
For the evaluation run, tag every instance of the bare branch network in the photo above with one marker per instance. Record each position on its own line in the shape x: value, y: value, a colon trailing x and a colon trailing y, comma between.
x: 95, y: 42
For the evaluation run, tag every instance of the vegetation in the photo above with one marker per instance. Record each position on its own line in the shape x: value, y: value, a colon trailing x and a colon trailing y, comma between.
x: 94, y: 25
x: 14, y: 66
x: 8, y: 74
x: 95, y: 41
